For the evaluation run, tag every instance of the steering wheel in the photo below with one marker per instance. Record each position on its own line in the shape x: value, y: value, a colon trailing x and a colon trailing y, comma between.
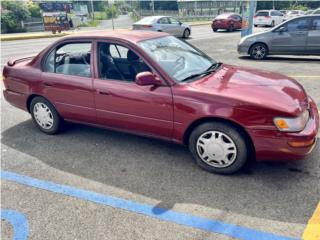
x: 180, y: 61
x: 84, y: 59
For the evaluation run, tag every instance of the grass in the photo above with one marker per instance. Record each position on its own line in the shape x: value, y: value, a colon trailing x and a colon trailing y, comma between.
x: 92, y: 23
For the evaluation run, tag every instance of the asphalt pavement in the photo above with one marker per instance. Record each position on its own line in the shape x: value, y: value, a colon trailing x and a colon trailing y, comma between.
x: 271, y: 198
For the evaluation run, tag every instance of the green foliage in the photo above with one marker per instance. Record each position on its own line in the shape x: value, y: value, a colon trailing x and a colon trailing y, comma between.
x: 13, y: 13
x: 34, y: 10
x: 298, y: 7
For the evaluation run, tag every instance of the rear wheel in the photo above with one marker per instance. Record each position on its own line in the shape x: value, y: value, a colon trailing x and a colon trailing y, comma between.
x: 186, y: 33
x: 231, y: 28
x: 215, y: 29
x: 45, y: 116
x: 258, y: 51
x: 255, y: 25
x: 218, y: 147
x: 272, y: 24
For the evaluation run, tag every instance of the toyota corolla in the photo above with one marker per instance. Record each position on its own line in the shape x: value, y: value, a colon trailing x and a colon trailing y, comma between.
x: 153, y: 84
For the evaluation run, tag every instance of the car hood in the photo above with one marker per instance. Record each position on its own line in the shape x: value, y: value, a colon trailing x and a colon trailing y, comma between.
x: 247, y: 86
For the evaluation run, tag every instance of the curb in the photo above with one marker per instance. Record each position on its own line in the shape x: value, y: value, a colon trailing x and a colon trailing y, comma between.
x: 198, y: 24
x: 25, y: 37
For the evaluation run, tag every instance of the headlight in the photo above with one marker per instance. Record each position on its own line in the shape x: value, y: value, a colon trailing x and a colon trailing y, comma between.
x: 292, y: 124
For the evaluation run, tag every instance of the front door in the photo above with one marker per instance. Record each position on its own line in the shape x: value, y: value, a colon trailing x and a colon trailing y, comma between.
x: 121, y: 103
x: 293, y: 39
x: 313, y: 43
x: 67, y: 81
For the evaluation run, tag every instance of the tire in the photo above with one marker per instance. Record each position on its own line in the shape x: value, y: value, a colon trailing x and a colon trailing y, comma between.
x: 272, y: 24
x: 258, y: 51
x: 186, y: 33
x: 45, y: 116
x: 231, y: 28
x: 255, y: 25
x: 224, y: 140
x: 215, y: 29
x: 54, y: 31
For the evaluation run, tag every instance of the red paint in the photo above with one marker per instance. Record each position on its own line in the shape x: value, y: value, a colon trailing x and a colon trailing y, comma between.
x: 246, y: 97
x: 224, y: 21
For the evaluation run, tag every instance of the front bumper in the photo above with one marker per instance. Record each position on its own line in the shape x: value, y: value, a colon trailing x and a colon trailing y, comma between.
x: 274, y: 145
x: 243, y: 50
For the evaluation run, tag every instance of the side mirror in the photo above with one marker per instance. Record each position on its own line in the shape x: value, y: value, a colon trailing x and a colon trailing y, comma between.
x: 147, y: 78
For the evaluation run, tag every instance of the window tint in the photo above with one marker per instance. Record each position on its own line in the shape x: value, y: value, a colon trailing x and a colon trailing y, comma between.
x: 118, y: 62
x: 298, y: 25
x: 70, y: 59
x: 164, y: 21
x: 262, y: 14
x: 174, y: 21
x: 316, y: 24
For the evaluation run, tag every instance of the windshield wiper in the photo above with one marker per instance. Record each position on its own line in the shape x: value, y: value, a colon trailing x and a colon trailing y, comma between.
x: 214, y: 66
x: 209, y: 70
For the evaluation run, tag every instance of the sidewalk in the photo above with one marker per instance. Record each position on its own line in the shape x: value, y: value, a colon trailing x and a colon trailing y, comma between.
x: 105, y: 25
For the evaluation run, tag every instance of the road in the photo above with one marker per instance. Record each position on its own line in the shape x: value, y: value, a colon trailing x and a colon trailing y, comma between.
x: 278, y: 198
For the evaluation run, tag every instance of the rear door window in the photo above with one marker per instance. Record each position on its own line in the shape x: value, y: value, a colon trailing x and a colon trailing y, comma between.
x: 164, y: 21
x: 301, y: 24
x: 315, y: 24
x: 70, y: 59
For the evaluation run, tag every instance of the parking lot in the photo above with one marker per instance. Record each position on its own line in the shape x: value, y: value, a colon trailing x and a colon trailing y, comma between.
x: 168, y: 196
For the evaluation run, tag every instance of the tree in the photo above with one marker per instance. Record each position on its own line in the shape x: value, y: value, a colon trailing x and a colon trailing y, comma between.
x: 34, y: 9
x: 13, y: 13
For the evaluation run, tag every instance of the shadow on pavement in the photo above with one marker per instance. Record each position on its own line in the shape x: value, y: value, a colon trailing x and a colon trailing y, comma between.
x: 284, y: 58
x: 166, y: 172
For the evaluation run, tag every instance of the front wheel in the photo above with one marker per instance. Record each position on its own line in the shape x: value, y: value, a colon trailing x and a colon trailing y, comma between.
x: 218, y: 147
x: 186, y: 33
x: 45, y: 116
x: 258, y: 51
x: 215, y: 29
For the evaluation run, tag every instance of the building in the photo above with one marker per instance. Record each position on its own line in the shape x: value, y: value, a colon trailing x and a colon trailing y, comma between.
x: 202, y: 8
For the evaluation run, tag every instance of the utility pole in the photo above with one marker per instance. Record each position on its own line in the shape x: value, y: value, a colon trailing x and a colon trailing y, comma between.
x: 92, y: 9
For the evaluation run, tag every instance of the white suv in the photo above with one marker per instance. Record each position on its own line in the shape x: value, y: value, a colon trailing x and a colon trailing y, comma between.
x: 268, y: 18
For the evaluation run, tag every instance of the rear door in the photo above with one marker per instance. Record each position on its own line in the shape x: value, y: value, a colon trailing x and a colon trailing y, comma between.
x: 293, y: 39
x: 175, y: 27
x: 164, y: 25
x: 313, y: 42
x: 67, y: 81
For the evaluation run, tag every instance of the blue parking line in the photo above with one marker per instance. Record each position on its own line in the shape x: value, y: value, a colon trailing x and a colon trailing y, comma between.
x: 148, y: 210
x: 19, y: 223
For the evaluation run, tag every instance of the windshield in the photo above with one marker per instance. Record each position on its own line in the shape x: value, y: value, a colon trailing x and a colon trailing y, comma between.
x: 177, y: 58
x: 262, y: 14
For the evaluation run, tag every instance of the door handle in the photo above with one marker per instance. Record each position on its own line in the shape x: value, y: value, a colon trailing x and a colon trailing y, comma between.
x: 101, y: 92
x: 48, y: 84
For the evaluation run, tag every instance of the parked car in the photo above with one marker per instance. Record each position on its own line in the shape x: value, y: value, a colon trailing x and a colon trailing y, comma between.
x: 317, y: 11
x: 268, y: 18
x: 228, y: 21
x: 295, y: 13
x: 309, y: 12
x: 163, y: 24
x: 297, y: 36
x: 153, y: 84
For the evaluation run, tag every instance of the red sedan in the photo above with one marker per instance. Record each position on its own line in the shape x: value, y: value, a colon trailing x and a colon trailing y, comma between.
x: 153, y: 84
x: 228, y: 21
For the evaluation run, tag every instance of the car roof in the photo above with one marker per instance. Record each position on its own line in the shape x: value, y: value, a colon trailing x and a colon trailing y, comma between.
x: 128, y: 35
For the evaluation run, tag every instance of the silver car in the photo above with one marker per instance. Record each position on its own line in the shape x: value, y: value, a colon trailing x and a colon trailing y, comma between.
x: 297, y: 36
x: 167, y: 24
